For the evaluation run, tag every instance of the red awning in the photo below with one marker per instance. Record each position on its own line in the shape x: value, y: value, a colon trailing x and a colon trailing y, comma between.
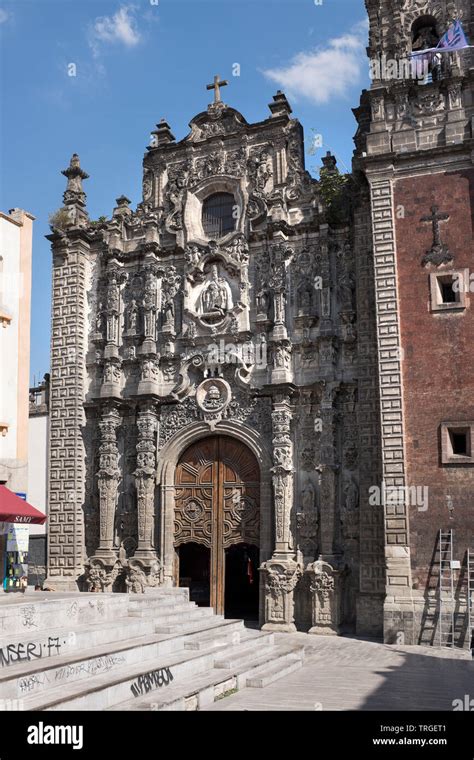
x: 15, y: 510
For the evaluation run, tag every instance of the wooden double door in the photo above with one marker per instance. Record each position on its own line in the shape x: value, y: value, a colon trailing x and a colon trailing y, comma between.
x: 217, y: 523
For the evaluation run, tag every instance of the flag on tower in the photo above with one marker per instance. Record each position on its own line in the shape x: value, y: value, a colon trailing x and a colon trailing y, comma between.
x: 453, y: 39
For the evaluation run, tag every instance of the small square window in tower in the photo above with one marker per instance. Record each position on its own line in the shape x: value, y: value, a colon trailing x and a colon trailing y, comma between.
x: 218, y: 217
x: 457, y: 443
x: 448, y: 291
x: 459, y: 440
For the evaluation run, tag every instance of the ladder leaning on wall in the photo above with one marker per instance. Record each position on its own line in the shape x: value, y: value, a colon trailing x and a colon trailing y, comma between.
x: 470, y: 594
x: 446, y: 589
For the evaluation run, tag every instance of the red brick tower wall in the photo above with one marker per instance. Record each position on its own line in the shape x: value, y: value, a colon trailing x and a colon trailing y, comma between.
x: 438, y: 360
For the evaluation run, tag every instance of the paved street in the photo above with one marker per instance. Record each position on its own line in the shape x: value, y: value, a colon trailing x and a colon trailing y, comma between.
x: 352, y: 674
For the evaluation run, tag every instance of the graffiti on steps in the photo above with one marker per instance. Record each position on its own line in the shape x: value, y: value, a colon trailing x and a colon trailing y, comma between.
x: 21, y: 651
x: 29, y: 683
x: 102, y: 664
x: 97, y: 665
x: 155, y: 679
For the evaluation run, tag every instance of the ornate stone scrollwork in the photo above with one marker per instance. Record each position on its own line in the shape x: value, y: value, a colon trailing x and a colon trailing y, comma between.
x: 100, y: 577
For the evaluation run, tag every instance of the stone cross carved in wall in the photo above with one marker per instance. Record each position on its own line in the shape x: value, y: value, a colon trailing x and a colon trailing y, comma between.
x: 439, y: 252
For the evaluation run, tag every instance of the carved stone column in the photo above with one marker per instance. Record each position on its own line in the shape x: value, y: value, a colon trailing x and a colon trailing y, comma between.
x: 147, y: 423
x: 149, y: 307
x: 280, y: 254
x: 281, y: 573
x: 112, y: 313
x: 108, y: 477
x: 328, y: 469
x: 325, y: 585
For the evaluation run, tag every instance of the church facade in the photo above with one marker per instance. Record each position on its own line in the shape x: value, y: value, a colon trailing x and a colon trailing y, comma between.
x: 242, y: 367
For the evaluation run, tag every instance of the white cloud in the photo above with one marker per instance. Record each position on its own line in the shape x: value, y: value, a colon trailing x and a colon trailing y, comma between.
x: 119, y: 28
x: 4, y: 16
x: 326, y: 72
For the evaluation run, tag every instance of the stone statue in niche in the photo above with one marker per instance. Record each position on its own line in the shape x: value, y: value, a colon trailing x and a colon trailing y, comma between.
x: 351, y: 493
x: 346, y: 291
x: 168, y: 311
x: 263, y: 302
x: 216, y: 295
x: 305, y: 301
x: 99, y: 320
x: 281, y: 358
x: 307, y: 497
x: 132, y: 317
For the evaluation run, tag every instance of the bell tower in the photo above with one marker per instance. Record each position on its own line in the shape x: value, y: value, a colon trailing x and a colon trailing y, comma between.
x: 415, y: 153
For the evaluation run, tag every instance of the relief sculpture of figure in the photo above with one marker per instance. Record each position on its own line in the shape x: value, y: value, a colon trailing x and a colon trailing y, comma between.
x: 217, y: 295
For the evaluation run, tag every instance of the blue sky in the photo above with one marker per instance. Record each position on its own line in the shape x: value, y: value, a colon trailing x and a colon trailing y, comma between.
x: 137, y: 62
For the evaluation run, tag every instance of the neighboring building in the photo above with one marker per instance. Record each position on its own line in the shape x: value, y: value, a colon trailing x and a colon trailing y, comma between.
x: 16, y: 234
x: 38, y: 434
x: 240, y: 365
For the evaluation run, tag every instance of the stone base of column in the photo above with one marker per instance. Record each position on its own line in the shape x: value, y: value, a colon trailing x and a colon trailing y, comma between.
x: 61, y: 584
x: 281, y: 574
x: 325, y: 584
x: 106, y: 556
x: 146, y: 556
x: 279, y: 627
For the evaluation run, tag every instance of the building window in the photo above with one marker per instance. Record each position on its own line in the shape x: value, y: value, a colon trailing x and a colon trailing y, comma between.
x: 457, y: 442
x: 424, y: 34
x: 448, y: 291
x: 218, y: 216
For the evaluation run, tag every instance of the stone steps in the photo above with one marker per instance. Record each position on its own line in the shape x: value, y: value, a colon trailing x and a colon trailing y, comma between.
x: 269, y: 673
x: 218, y: 640
x: 237, y: 656
x: 204, y: 689
x: 156, y: 651
x: 42, y: 674
x: 105, y: 690
x: 195, y: 694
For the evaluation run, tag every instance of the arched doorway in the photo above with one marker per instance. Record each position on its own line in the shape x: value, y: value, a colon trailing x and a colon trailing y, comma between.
x: 217, y: 515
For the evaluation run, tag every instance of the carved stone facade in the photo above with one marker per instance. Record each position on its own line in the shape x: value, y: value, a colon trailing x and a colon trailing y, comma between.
x: 281, y: 329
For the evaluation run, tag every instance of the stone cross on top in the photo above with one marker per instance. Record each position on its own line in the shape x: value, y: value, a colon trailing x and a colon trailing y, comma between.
x: 216, y: 86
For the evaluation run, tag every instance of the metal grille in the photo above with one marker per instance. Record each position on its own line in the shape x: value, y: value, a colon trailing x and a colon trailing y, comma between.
x: 217, y: 215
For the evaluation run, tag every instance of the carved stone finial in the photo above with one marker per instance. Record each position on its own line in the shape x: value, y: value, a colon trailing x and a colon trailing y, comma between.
x: 329, y: 162
x: 162, y: 135
x: 74, y: 193
x: 280, y: 105
x: 122, y: 208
